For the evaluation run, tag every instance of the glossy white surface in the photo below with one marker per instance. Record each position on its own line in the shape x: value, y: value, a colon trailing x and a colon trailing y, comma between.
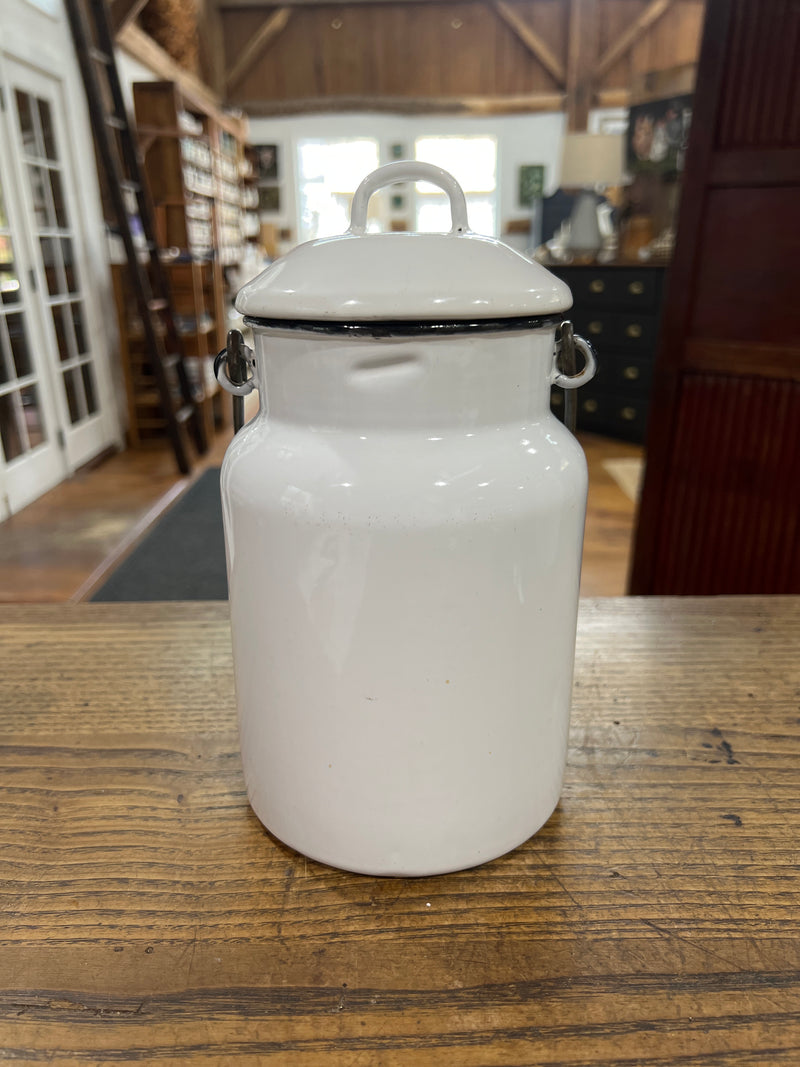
x: 404, y: 523
x: 401, y: 276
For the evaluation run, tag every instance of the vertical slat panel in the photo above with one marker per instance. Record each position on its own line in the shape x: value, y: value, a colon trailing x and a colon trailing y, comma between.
x: 760, y: 102
x: 735, y: 456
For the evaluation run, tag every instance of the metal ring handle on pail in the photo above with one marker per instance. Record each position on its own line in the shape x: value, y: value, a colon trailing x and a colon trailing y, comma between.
x: 573, y: 340
x: 409, y: 170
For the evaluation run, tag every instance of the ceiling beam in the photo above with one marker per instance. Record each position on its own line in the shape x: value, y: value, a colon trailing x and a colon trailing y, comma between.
x: 320, y: 3
x: 532, y: 41
x: 581, y: 52
x: 138, y: 44
x: 623, y: 44
x: 403, y: 105
x: 121, y: 12
x: 265, y: 36
x: 211, y: 42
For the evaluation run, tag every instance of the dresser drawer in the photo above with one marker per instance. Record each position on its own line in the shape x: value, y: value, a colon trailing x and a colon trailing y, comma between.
x: 609, y: 331
x: 610, y: 413
x: 618, y: 288
x: 628, y: 374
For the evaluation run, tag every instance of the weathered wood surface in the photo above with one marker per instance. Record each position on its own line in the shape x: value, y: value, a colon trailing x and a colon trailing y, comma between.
x: 147, y: 916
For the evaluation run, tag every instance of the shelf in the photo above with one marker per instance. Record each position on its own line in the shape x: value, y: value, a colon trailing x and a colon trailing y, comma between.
x: 202, y: 176
x: 167, y: 133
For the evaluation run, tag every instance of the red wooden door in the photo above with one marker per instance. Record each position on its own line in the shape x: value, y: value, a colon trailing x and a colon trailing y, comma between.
x: 720, y: 510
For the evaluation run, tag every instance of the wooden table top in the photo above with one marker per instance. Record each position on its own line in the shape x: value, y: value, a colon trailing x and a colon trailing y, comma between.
x: 148, y: 917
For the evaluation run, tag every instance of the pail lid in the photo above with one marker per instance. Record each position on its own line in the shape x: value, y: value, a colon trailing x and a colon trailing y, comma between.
x: 458, y: 277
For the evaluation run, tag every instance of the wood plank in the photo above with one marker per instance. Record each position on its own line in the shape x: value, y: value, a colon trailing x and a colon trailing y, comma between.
x: 142, y: 47
x: 231, y: 4
x: 211, y: 45
x: 266, y: 36
x: 612, y: 98
x: 657, y: 84
x: 651, y: 14
x: 482, y: 105
x: 678, y: 301
x: 121, y: 12
x: 532, y: 41
x: 580, y: 62
x: 653, y: 919
x: 743, y: 166
x: 743, y: 360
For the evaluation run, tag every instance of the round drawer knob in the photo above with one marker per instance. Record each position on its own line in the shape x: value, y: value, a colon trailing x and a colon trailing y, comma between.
x: 589, y: 406
x: 636, y: 288
x: 631, y: 373
x: 597, y: 285
x: 634, y: 330
x: 595, y: 327
x: 629, y: 414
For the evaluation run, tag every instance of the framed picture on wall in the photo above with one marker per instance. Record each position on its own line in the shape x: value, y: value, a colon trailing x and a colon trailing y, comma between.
x: 531, y: 183
x: 269, y: 199
x: 658, y: 133
x: 266, y: 162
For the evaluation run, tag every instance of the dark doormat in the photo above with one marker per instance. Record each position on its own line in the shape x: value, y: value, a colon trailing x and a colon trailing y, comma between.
x: 183, y: 556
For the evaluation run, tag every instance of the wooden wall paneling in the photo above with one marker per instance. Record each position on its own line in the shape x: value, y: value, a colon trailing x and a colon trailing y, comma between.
x: 672, y: 41
x: 752, y: 228
x: 613, y: 18
x: 765, y: 109
x: 677, y: 307
x: 550, y: 20
x: 720, y: 509
x: 260, y: 43
x: 211, y: 45
x: 440, y: 51
x: 741, y: 436
x: 414, y: 50
x: 655, y: 10
x: 470, y: 64
x: 532, y: 40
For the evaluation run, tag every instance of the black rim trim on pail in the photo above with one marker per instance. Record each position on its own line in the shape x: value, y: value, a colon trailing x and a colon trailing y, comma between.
x: 409, y: 328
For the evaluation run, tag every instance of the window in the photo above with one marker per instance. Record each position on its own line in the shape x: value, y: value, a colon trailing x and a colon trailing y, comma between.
x: 473, y: 163
x: 329, y: 173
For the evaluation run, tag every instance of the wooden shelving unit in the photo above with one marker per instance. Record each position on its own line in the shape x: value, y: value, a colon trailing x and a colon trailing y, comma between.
x: 197, y: 172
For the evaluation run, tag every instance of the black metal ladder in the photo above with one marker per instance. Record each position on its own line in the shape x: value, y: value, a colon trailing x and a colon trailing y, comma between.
x: 118, y: 154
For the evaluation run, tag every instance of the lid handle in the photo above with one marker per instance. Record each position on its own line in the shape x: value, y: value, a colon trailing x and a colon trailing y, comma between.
x: 409, y: 170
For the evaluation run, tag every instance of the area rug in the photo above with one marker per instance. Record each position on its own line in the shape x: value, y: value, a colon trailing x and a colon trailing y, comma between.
x: 182, y: 557
x: 627, y: 473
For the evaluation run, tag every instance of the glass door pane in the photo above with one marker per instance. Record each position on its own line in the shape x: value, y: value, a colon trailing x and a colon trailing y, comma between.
x: 56, y: 246
x: 21, y: 423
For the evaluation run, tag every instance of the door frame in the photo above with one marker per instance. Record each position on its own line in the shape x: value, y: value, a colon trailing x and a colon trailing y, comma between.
x: 34, y: 38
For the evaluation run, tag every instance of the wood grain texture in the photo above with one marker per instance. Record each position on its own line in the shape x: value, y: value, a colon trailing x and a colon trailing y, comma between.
x: 147, y: 916
x: 721, y: 304
x: 437, y: 50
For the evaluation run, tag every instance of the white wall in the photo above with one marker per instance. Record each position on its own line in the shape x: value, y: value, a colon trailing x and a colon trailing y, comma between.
x: 131, y: 70
x: 520, y: 139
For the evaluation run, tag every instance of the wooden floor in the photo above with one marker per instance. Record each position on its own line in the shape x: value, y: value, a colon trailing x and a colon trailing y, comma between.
x: 63, y: 545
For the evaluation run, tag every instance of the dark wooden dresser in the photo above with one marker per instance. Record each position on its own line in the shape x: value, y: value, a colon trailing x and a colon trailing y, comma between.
x: 617, y: 308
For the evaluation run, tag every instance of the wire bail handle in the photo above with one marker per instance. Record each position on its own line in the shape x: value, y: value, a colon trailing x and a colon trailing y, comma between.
x: 234, y: 369
x: 564, y: 374
x: 409, y: 170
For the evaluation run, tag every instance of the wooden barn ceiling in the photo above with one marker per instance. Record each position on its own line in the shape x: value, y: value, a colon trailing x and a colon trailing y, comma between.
x: 478, y: 56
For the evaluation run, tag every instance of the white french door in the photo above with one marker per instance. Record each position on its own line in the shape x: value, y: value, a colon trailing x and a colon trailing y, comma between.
x: 56, y: 403
x: 31, y: 459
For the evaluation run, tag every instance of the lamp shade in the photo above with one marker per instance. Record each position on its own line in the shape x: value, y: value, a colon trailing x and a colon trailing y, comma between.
x: 592, y: 159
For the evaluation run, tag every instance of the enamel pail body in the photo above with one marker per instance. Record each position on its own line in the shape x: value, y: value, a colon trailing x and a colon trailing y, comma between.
x: 404, y: 522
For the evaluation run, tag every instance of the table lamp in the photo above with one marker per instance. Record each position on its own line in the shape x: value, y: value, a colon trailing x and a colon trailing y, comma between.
x: 589, y: 160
